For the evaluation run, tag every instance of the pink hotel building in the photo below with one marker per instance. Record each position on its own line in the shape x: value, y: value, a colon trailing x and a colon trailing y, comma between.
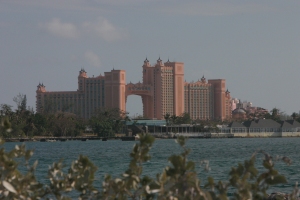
x: 163, y: 91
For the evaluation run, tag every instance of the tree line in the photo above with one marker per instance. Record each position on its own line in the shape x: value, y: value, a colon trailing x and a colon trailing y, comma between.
x: 50, y: 123
x: 275, y: 114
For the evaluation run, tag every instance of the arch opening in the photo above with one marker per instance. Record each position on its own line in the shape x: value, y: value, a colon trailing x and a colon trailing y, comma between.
x: 134, y: 106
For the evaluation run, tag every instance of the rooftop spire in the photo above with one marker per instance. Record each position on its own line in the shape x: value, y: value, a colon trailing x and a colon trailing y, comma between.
x: 203, y: 80
x: 159, y: 60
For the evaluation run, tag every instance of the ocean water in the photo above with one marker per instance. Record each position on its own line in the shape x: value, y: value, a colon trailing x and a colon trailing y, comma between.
x: 112, y: 156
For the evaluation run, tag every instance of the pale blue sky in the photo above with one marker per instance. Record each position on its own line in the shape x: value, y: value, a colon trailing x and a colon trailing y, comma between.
x: 254, y: 45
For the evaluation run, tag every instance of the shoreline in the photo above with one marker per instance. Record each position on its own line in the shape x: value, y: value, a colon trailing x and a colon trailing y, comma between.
x: 129, y: 138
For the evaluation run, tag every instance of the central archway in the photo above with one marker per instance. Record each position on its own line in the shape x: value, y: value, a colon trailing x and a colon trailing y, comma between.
x: 145, y: 92
x: 134, y: 106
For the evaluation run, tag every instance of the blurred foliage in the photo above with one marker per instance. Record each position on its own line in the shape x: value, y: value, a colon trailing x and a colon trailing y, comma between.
x: 177, y: 181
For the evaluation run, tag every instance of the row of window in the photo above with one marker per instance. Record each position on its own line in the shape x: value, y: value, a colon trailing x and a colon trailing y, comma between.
x: 262, y: 130
x: 66, y: 95
x: 93, y: 81
x: 139, y: 88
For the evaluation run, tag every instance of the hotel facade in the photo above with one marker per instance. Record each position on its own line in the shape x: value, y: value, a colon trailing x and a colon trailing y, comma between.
x: 163, y: 90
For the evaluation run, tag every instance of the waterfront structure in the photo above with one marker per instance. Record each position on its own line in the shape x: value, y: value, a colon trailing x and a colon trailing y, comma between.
x: 239, y: 114
x: 264, y: 128
x: 163, y: 91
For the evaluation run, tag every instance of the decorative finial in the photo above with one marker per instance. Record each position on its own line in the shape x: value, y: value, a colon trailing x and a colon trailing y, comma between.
x: 159, y: 60
x: 146, y: 60
x: 203, y: 79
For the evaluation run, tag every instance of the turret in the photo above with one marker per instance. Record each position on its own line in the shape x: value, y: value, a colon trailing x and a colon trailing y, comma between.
x: 82, y: 73
x: 227, y: 93
x: 81, y: 79
x: 146, y: 62
x: 159, y: 62
x: 41, y: 88
x: 203, y: 80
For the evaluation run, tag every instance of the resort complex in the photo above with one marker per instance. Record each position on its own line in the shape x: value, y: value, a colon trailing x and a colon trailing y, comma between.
x: 163, y: 90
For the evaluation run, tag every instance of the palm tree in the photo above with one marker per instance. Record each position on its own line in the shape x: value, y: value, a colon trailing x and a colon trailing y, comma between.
x: 275, y: 114
x: 295, y: 115
x: 167, y: 118
x: 126, y: 119
x: 174, y: 118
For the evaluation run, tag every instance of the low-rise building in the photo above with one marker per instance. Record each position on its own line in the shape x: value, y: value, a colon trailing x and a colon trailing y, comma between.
x: 264, y: 128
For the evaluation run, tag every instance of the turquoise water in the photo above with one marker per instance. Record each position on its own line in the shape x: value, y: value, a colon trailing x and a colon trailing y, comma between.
x: 112, y: 156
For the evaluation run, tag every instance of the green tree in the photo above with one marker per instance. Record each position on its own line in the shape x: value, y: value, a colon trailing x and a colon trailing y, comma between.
x: 184, y: 118
x: 21, y: 101
x: 167, y: 117
x: 5, y: 110
x: 295, y: 115
x: 275, y: 114
x: 102, y: 128
x: 64, y: 124
x: 40, y: 123
x: 105, y: 122
x: 173, y: 119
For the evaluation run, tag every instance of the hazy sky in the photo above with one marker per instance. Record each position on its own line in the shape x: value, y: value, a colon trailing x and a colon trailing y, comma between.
x: 254, y: 45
